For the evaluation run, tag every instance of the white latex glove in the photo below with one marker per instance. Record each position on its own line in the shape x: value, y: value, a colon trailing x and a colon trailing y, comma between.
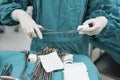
x: 29, y: 10
x: 27, y: 23
x: 97, y: 26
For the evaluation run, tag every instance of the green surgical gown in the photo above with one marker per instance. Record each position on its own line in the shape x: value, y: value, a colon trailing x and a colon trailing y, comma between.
x: 65, y: 15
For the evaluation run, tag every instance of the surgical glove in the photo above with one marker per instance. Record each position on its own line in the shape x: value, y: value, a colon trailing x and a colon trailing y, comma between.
x: 97, y: 23
x: 29, y: 10
x: 27, y: 23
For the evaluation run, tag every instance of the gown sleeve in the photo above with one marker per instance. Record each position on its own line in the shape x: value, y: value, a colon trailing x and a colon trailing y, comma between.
x: 6, y: 8
x: 109, y: 38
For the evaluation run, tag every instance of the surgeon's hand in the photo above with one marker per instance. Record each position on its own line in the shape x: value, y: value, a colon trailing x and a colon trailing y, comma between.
x: 27, y: 23
x: 97, y: 26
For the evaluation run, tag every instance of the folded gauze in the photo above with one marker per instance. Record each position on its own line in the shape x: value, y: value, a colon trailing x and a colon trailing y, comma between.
x: 75, y: 71
x: 51, y: 62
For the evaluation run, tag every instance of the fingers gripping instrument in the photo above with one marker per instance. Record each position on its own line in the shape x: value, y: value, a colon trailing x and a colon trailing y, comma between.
x: 28, y: 25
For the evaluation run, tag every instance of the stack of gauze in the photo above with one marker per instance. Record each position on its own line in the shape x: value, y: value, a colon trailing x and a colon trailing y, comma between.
x: 50, y: 62
x: 71, y: 70
x: 75, y: 71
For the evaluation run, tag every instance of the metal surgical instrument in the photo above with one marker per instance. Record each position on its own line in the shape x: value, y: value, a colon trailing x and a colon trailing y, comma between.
x: 50, y: 31
x: 26, y: 64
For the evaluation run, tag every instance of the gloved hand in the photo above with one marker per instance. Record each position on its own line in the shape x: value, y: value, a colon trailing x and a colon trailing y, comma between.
x: 29, y: 10
x: 98, y: 24
x: 27, y: 23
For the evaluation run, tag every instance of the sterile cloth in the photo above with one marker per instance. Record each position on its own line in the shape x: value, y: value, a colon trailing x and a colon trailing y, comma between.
x: 75, y: 71
x: 51, y: 62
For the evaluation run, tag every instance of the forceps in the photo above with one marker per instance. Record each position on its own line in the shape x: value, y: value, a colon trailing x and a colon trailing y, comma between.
x: 7, y: 70
x: 39, y: 72
x: 26, y: 64
x: 50, y: 31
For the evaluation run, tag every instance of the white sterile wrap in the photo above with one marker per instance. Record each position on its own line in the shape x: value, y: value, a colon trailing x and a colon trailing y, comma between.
x: 32, y: 57
x: 51, y: 62
x: 75, y: 71
x: 68, y: 58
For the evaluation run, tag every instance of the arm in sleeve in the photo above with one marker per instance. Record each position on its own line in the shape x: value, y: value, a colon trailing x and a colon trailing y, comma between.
x: 109, y: 38
x: 7, y: 7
